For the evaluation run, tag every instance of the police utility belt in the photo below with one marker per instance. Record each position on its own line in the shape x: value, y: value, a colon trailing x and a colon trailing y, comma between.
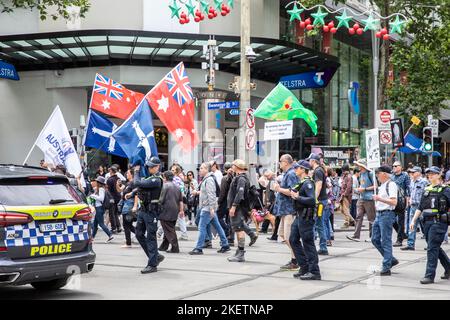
x: 152, y: 206
x: 436, y: 216
x: 306, y: 213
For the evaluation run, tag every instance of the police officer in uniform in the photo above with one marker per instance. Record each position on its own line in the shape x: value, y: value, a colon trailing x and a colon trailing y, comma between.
x: 148, y: 191
x: 434, y: 206
x: 302, y: 230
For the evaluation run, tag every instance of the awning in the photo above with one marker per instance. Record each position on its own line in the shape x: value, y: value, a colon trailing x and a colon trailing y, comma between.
x: 89, y: 48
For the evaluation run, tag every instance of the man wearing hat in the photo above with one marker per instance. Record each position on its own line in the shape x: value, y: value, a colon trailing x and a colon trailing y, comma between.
x: 323, y: 212
x: 365, y: 204
x: 303, y: 225
x: 434, y: 207
x: 385, y: 202
x: 417, y: 189
x: 403, y: 182
x: 239, y: 208
x: 149, y: 191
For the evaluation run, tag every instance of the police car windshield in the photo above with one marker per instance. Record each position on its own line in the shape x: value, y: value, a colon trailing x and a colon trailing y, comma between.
x: 26, y: 193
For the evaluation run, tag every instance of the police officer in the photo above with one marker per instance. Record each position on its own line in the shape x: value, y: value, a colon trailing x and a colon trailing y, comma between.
x: 148, y: 191
x: 302, y: 230
x: 434, y: 206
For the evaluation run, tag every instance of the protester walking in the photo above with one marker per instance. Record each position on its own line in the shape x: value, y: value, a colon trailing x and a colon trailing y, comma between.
x: 179, y: 182
x: 403, y: 182
x: 99, y: 197
x: 171, y: 201
x: 385, y: 202
x: 222, y: 212
x: 113, y: 183
x: 129, y: 209
x: 191, y: 186
x: 345, y: 196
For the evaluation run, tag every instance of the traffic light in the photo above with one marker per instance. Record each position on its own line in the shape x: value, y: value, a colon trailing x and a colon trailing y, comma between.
x: 428, y: 139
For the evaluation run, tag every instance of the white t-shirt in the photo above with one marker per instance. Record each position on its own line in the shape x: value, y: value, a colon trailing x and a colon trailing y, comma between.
x: 383, y: 193
x: 219, y: 176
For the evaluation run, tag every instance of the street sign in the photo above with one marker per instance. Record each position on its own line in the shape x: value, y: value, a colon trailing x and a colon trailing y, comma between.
x: 234, y: 112
x: 434, y: 123
x: 373, y: 148
x: 8, y: 71
x: 383, y: 119
x: 397, y: 133
x: 223, y: 105
x: 308, y: 80
x: 250, y: 139
x: 415, y: 120
x: 250, y: 118
x: 278, y: 130
x: 385, y: 137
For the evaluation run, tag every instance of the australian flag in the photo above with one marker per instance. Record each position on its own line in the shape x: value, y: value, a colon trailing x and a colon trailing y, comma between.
x: 136, y: 136
x: 99, y: 135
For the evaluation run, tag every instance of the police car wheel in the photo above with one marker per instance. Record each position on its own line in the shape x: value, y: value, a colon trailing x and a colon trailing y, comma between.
x: 50, y: 285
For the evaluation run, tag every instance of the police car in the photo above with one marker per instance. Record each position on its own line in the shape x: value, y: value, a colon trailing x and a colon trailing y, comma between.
x: 45, y: 234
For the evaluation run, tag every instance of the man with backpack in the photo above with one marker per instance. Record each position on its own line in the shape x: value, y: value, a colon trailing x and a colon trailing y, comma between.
x: 209, y: 193
x: 365, y: 204
x: 403, y: 182
x: 385, y: 204
x: 239, y: 204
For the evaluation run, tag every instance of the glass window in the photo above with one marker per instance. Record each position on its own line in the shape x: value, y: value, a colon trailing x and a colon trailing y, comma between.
x: 97, y: 51
x: 120, y: 50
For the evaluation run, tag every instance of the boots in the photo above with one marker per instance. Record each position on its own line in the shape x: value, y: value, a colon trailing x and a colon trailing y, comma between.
x: 238, y: 256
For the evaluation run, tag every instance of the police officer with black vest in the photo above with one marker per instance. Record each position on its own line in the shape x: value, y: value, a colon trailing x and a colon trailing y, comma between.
x: 434, y: 206
x: 302, y: 230
x: 148, y: 191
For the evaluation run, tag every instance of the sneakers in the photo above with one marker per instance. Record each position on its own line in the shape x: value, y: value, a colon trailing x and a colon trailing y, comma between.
x: 385, y: 273
x: 322, y: 253
x: 196, y: 252
x: 394, y: 262
x: 329, y: 243
x: 272, y: 239
x: 173, y: 250
x: 149, y: 269
x: 301, y: 272
x: 397, y: 244
x: 126, y: 246
x: 368, y: 240
x: 238, y: 256
x: 253, y: 240
x: 207, y: 245
x: 223, y: 249
x: 352, y: 238
x: 290, y: 266
x: 181, y: 238
x: 109, y: 239
x: 311, y: 276
x: 407, y: 248
x: 446, y: 275
x: 159, y: 259
x: 426, y: 281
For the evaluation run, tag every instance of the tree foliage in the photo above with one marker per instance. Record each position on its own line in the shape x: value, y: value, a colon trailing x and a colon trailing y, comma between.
x: 43, y: 6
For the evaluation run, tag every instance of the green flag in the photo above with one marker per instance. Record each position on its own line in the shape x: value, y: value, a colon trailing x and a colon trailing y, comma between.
x: 281, y: 104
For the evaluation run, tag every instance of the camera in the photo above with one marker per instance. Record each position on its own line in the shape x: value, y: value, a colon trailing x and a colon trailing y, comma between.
x: 250, y: 54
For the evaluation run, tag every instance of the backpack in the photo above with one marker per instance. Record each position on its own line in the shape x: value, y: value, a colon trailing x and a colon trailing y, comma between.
x: 401, y: 199
x: 217, y: 185
x: 108, y: 200
x: 254, y: 202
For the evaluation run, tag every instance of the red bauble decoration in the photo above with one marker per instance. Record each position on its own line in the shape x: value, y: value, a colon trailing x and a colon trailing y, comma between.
x: 309, y: 27
x: 356, y: 26
x: 331, y: 24
x: 187, y: 20
x: 197, y: 19
x: 228, y: 9
x: 386, y: 37
x: 326, y: 28
x: 202, y: 17
x: 224, y: 13
x: 183, y: 15
x: 308, y: 21
x: 302, y: 24
x: 360, y: 31
x: 210, y: 16
x: 378, y: 35
x: 333, y: 30
x: 211, y: 10
x: 384, y: 31
x: 215, y: 14
x: 351, y: 31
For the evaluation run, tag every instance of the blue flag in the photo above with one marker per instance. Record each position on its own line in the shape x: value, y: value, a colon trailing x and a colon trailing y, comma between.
x: 353, y: 96
x: 98, y: 135
x: 136, y: 136
x: 414, y: 145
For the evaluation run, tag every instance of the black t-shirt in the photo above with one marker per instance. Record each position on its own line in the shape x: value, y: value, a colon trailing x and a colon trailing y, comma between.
x: 112, y: 183
x: 319, y: 175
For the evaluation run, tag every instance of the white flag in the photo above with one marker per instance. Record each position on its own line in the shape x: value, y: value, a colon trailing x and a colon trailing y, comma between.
x: 54, y: 140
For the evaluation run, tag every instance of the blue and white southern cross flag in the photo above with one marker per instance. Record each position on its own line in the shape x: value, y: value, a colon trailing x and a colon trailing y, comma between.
x: 136, y: 136
x: 56, y: 143
x: 99, y: 135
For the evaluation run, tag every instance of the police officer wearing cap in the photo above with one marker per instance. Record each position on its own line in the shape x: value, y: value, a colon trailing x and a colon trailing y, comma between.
x: 148, y: 191
x: 302, y: 230
x: 434, y: 206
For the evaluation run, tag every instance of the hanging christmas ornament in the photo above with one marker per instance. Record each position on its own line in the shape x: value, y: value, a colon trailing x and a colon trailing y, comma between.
x: 371, y: 23
x: 205, y: 5
x: 326, y: 28
x: 397, y: 25
x: 175, y: 9
x: 295, y: 13
x: 319, y: 17
x: 231, y: 4
x: 386, y: 37
x: 351, y: 31
x: 344, y: 20
x: 190, y: 8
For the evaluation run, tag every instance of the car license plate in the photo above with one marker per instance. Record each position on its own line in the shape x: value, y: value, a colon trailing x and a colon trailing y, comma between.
x: 52, y: 227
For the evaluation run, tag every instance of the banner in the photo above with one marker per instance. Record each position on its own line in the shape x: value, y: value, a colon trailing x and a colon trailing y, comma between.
x: 397, y: 133
x: 278, y: 130
x: 373, y: 148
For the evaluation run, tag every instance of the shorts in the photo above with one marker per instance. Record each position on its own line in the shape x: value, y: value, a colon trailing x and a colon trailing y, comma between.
x: 238, y: 221
x: 285, y: 226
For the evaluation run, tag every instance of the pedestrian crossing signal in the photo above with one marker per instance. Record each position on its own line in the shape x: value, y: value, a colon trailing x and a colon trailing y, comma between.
x: 428, y: 139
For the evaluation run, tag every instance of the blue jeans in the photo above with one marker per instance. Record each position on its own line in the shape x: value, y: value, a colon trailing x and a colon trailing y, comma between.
x: 205, y: 220
x: 382, y: 236
x: 100, y: 221
x: 435, y: 234
x: 412, y: 234
x: 327, y: 223
x: 320, y: 226
x: 208, y: 236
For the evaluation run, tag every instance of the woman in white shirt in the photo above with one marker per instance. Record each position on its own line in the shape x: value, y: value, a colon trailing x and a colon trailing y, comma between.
x: 99, y: 197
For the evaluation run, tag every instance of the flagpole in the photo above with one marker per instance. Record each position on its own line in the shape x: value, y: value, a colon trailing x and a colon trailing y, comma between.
x: 45, y: 126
